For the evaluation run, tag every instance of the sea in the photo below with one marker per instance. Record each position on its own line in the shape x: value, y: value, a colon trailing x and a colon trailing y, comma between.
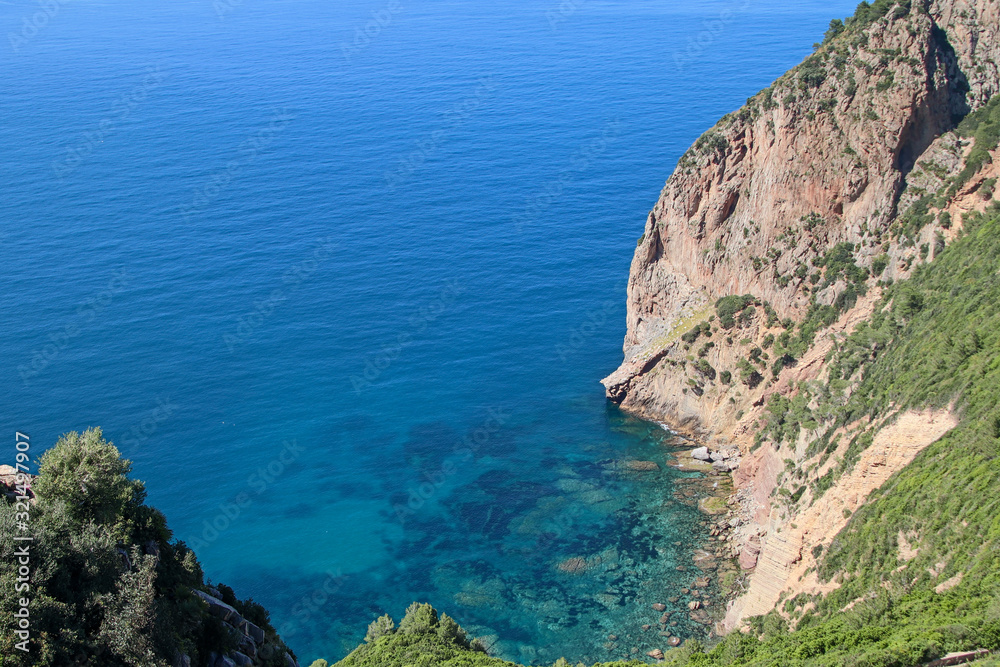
x: 341, y: 280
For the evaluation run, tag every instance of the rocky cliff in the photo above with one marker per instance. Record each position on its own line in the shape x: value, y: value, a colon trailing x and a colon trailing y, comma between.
x: 778, y: 230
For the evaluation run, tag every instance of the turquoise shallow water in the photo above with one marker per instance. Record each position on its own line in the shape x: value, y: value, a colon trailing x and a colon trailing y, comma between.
x: 341, y: 278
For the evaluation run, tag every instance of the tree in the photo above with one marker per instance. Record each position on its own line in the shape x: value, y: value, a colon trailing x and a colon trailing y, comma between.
x: 380, y: 627
x: 129, y: 614
x: 836, y: 28
x: 88, y: 473
x: 450, y: 631
x: 420, y: 618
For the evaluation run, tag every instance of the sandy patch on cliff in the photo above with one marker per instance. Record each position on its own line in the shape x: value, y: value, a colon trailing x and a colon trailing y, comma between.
x: 786, y: 551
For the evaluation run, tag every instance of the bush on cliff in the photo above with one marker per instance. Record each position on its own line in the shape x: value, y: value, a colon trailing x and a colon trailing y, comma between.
x: 728, y: 307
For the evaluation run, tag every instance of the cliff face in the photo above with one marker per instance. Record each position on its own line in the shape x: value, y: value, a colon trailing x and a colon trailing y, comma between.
x: 836, y: 155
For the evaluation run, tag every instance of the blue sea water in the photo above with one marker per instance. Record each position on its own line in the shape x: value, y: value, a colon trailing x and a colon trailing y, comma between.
x: 341, y: 278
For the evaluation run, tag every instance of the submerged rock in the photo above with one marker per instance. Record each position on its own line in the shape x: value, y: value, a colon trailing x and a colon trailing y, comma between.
x: 574, y: 565
x: 659, y: 606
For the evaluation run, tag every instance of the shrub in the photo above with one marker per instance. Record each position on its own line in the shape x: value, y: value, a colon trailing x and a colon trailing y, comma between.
x: 705, y: 369
x: 729, y: 306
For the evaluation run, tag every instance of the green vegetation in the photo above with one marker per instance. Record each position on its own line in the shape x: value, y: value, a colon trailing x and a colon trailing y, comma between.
x: 886, y: 82
x: 838, y: 264
x: 917, y: 217
x: 691, y: 336
x: 983, y: 126
x: 728, y: 307
x: 866, y: 13
x: 108, y: 586
x: 425, y: 639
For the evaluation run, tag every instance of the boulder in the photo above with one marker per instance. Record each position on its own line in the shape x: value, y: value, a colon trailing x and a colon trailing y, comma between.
x: 242, y: 660
x: 725, y: 466
x: 694, y: 605
x: 674, y: 641
x: 225, y: 661
x: 659, y: 606
x: 716, y: 456
x: 290, y: 661
x: 252, y: 631
x: 248, y: 646
x: 748, y: 556
x: 219, y: 608
x: 701, y: 453
x: 656, y: 654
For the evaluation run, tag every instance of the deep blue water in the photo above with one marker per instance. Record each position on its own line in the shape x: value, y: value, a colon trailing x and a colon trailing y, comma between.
x: 365, y: 286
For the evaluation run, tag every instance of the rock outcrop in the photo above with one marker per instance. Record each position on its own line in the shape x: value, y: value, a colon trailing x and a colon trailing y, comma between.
x: 250, y: 638
x: 832, y: 158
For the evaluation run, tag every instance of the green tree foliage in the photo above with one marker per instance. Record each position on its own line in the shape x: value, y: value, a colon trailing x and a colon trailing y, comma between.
x: 419, y: 619
x: 836, y: 28
x: 90, y: 476
x: 425, y: 639
x: 448, y: 630
x: 380, y: 627
x: 109, y: 587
